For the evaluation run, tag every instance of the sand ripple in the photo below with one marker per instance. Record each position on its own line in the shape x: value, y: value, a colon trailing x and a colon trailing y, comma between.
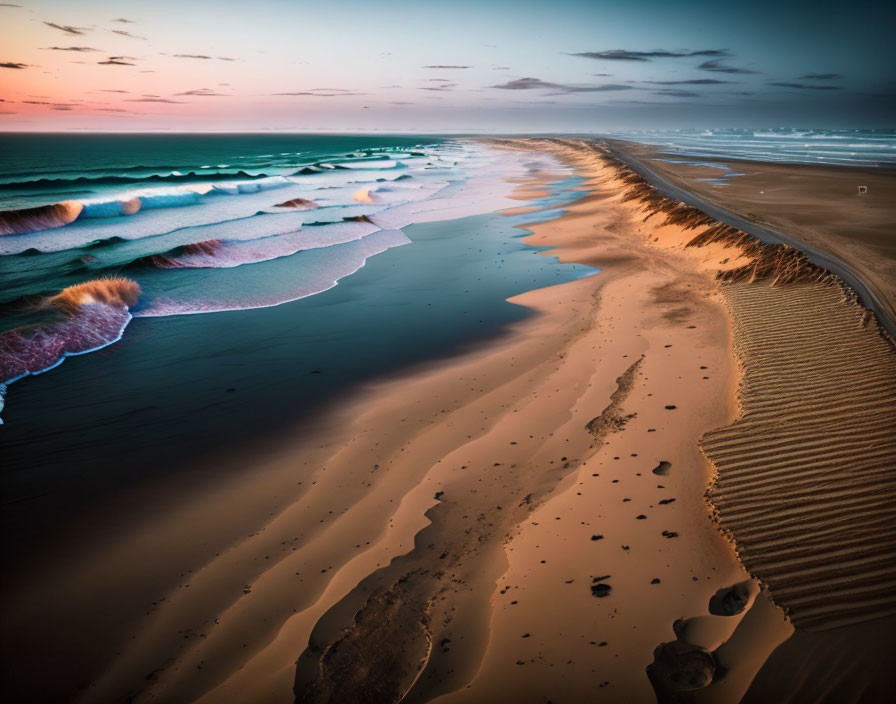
x: 806, y: 482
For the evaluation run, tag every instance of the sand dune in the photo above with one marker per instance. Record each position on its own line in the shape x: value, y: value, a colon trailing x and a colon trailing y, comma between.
x: 806, y: 482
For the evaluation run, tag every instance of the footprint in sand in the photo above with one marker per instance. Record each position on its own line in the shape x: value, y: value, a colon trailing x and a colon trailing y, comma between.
x: 662, y: 469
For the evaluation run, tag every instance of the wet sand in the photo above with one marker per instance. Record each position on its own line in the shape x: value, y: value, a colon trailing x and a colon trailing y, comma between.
x: 528, y: 521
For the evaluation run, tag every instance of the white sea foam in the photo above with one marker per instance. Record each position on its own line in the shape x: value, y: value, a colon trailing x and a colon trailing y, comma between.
x: 331, y: 264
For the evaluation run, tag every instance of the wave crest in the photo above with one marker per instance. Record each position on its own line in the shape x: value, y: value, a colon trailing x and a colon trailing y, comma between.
x: 95, y: 315
x: 116, y: 291
x: 298, y: 204
x: 172, y: 259
x: 43, y: 217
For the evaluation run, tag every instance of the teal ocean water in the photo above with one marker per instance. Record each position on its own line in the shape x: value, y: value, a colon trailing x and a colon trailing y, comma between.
x: 251, y: 316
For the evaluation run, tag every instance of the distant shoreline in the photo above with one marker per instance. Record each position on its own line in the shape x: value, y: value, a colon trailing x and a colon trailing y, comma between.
x: 871, y: 294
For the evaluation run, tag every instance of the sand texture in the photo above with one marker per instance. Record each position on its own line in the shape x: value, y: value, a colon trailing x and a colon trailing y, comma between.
x: 806, y: 476
x: 617, y: 499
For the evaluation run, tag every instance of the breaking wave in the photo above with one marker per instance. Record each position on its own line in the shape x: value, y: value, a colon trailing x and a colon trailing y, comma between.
x: 218, y: 254
x: 288, y: 278
x: 17, y: 222
x: 184, y: 245
x: 25, y: 220
x: 83, y: 318
x: 171, y: 177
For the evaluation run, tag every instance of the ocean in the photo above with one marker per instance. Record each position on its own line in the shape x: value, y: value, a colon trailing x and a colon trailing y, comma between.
x: 165, y: 299
x: 801, y: 146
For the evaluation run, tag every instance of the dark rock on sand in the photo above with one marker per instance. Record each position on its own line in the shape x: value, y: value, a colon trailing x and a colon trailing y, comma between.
x: 681, y: 667
x: 600, y: 589
x: 662, y: 469
x: 730, y: 601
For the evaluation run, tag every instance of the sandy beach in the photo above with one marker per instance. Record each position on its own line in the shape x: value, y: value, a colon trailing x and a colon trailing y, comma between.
x: 407, y: 353
x: 672, y: 482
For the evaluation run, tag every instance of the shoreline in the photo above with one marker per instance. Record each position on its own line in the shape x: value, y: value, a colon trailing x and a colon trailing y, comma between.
x: 378, y: 484
x: 802, y: 483
x: 635, y: 156
x: 557, y: 463
x: 164, y: 511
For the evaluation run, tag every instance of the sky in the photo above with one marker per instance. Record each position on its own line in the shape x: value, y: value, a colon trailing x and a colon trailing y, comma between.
x: 451, y: 66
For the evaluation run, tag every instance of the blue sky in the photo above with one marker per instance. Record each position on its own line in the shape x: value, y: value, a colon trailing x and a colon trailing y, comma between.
x: 427, y: 66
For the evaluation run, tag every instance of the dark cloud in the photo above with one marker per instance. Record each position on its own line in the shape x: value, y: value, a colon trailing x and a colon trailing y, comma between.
x: 716, y: 65
x: 678, y: 93
x: 201, y: 56
x: 325, y: 92
x: 68, y: 29
x: 113, y: 90
x: 69, y: 48
x: 445, y: 66
x: 53, y: 106
x: 122, y: 20
x: 400, y: 102
x: 443, y: 87
x: 536, y: 83
x: 526, y: 84
x: 8, y: 4
x: 12, y: 64
x: 203, y: 92
x: 625, y: 55
x: 127, y: 34
x: 597, y: 89
x: 822, y: 77
x: 692, y: 82
x: 660, y: 103
x: 154, y: 100
x: 117, y: 61
x: 801, y: 86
